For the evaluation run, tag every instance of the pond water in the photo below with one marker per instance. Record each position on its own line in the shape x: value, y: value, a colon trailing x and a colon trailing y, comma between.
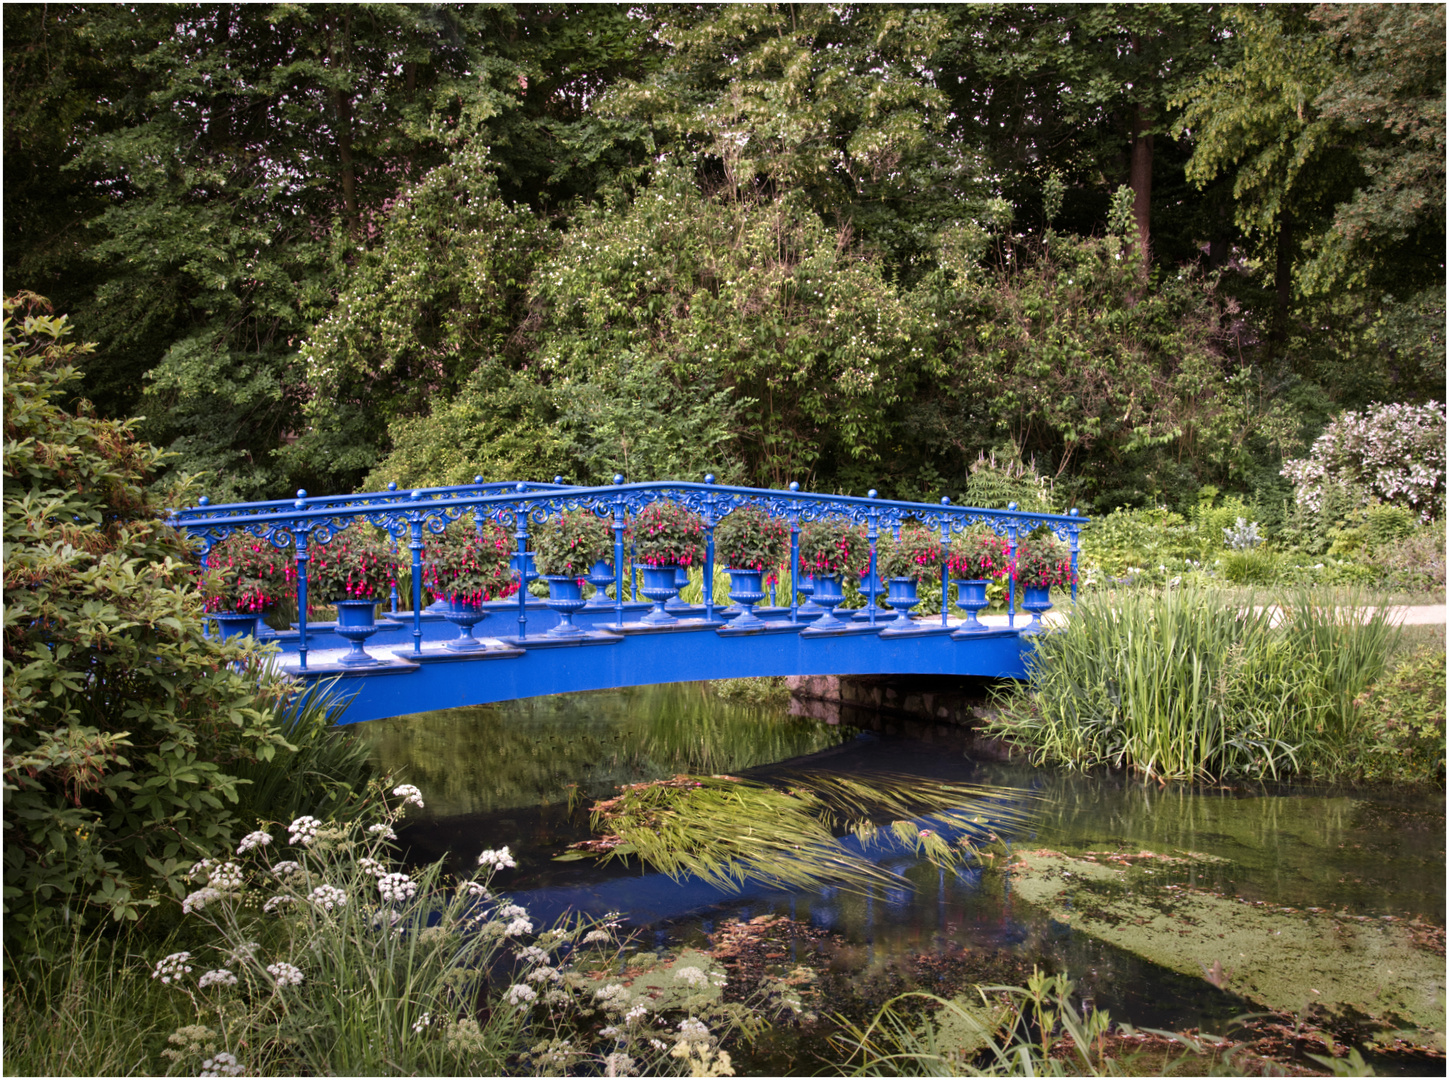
x: 524, y: 774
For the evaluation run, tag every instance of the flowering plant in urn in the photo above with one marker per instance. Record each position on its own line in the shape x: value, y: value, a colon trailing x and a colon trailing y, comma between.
x: 916, y: 555
x: 666, y: 534
x: 358, y: 564
x: 570, y: 544
x: 1042, y: 561
x: 833, y: 546
x: 469, y: 565
x: 748, y: 538
x: 246, y: 575
x: 978, y: 556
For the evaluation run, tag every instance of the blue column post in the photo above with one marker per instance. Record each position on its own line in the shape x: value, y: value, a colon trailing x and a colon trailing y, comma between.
x: 415, y: 544
x: 794, y: 556
x: 1076, y: 547
x: 709, y: 553
x: 618, y: 554
x: 1011, y: 578
x: 302, y: 558
x: 872, y: 532
x: 520, y: 533
x: 945, y: 559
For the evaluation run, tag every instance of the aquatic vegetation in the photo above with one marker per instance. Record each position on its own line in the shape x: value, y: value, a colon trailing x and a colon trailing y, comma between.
x: 1188, y: 684
x: 726, y: 830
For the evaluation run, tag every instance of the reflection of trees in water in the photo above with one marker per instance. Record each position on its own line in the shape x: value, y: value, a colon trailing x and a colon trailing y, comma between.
x: 1298, y: 846
x: 521, y: 753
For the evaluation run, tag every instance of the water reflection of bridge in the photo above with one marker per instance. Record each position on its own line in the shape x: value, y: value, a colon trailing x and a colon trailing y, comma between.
x: 413, y: 667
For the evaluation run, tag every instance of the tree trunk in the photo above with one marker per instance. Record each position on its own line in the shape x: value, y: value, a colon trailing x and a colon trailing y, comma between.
x: 1141, y: 180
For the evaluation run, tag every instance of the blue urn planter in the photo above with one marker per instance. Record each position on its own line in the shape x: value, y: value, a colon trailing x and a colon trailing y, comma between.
x: 566, y: 597
x: 659, y: 586
x: 464, y: 616
x: 1036, y: 599
x: 807, y: 586
x: 356, y: 621
x: 971, y: 598
x: 902, y: 597
x: 872, y: 602
x: 827, y: 595
x: 232, y: 623
x: 745, y: 590
x: 601, y: 576
x: 677, y: 606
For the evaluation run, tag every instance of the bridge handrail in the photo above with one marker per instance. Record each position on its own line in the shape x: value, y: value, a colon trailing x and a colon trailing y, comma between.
x: 298, y: 522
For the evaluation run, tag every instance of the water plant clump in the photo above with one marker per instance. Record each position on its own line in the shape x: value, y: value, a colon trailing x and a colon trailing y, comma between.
x: 1192, y: 685
x: 726, y: 830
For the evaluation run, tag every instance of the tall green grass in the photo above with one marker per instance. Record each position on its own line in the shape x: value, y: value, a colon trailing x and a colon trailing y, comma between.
x: 1191, y: 685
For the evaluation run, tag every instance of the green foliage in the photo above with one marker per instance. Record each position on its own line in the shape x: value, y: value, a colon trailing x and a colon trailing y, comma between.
x: 122, y: 722
x: 357, y: 563
x: 571, y: 543
x: 995, y: 485
x: 980, y: 554
x: 1042, y: 560
x: 749, y: 538
x: 1188, y: 685
x: 246, y: 574
x: 1404, y: 711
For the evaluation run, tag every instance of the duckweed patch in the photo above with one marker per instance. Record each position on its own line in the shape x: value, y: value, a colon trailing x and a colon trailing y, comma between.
x: 1377, y: 978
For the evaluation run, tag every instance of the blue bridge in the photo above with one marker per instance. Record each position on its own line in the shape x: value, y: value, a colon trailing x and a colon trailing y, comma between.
x: 424, y: 658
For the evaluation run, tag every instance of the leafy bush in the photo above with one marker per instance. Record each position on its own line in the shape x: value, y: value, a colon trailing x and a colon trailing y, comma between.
x: 357, y: 564
x: 833, y: 546
x: 1405, y: 715
x: 917, y: 554
x: 570, y: 544
x: 121, y: 719
x: 1415, y: 562
x: 246, y: 574
x: 748, y: 538
x: 666, y: 534
x: 468, y: 563
x: 1394, y: 453
x: 978, y: 555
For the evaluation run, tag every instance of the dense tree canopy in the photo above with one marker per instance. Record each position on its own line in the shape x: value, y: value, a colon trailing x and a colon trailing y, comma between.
x: 1150, y: 246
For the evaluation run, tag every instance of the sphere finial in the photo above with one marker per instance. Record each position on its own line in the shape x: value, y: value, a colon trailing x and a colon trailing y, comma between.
x: 392, y: 485
x: 478, y: 479
x: 709, y: 478
x: 1011, y: 506
x: 301, y: 493
x: 558, y: 479
x: 203, y: 501
x: 794, y: 485
x: 520, y: 487
x: 618, y: 478
x: 1073, y: 512
x: 945, y: 500
x: 417, y: 493
x: 871, y: 494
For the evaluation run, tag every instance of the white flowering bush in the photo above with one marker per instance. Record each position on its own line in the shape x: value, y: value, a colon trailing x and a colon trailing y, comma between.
x: 1390, y: 453
x: 300, y: 958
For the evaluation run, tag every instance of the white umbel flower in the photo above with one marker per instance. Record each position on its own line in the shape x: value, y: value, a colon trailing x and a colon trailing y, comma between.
x: 396, y: 888
x: 172, y: 967
x: 409, y: 794
x: 498, y: 860
x: 328, y: 897
x: 253, y: 840
x: 222, y: 1064
x: 303, y: 830
x: 218, y: 977
x: 286, y: 974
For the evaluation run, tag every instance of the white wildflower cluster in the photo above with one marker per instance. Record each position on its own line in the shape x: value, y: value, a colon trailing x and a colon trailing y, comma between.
x: 532, y: 954
x: 596, y: 936
x: 391, y: 916
x: 303, y: 830
x: 328, y: 897
x: 544, y: 974
x: 522, y: 995
x: 276, y: 903
x: 693, y: 1030
x: 636, y: 1014
x: 286, y: 974
x: 1394, y: 453
x: 217, y: 977
x: 497, y: 860
x: 222, y: 1064
x: 251, y: 840
x: 517, y: 928
x: 396, y: 888
x: 287, y: 870
x: 227, y: 876
x: 382, y: 830
x: 512, y: 911
x: 476, y: 889
x: 199, y: 899
x: 243, y: 952
x: 421, y: 1022
x: 692, y: 975
x: 371, y: 866
x: 201, y: 869
x: 409, y: 794
x: 172, y: 967
x: 619, y: 1065
x: 613, y: 997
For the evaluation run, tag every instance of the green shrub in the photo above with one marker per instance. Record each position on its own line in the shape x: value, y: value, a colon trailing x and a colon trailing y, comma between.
x: 1415, y: 562
x: 123, y: 723
x: 1405, y: 714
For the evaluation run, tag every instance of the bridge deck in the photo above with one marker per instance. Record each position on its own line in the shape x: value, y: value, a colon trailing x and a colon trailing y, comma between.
x: 436, y: 677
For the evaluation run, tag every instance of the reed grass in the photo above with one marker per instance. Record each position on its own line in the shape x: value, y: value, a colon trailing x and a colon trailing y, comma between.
x: 1189, y: 684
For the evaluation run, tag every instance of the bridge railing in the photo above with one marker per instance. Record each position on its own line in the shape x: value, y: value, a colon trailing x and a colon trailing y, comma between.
x: 307, y: 521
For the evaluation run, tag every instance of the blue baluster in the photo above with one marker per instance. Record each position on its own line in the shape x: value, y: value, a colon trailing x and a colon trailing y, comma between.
x: 301, y: 536
x: 520, y: 521
x: 872, y: 533
x: 794, y: 556
x: 1076, y: 546
x: 619, y: 526
x: 416, y: 545
x: 945, y: 558
x: 1011, y: 578
x: 709, y: 554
